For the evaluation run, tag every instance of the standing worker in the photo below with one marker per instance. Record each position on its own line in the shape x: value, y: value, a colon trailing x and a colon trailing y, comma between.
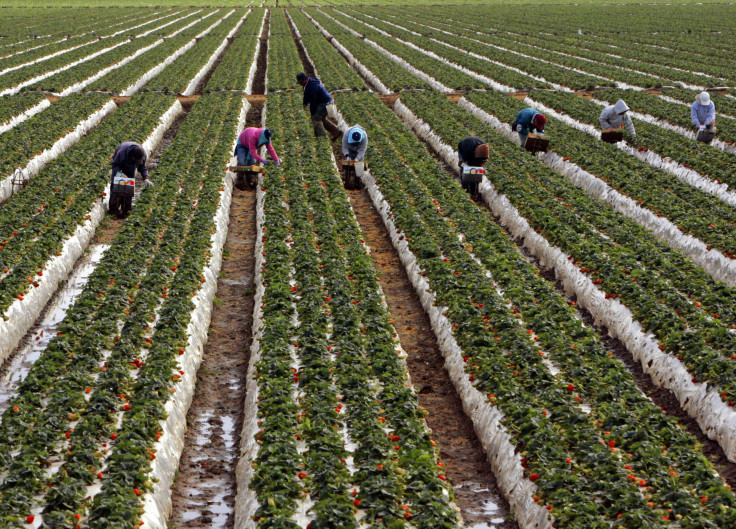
x: 354, y: 143
x: 527, y: 121
x: 128, y: 157
x: 317, y: 97
x: 616, y: 116
x: 703, y: 113
x: 246, y: 148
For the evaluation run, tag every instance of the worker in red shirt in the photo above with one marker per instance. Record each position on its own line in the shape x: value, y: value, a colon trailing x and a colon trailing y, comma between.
x: 247, y: 146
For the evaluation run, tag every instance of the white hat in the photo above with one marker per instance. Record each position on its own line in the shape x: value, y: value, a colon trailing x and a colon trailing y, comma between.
x: 704, y: 98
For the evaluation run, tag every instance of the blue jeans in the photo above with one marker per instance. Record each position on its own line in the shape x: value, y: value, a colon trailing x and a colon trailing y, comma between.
x: 244, y: 156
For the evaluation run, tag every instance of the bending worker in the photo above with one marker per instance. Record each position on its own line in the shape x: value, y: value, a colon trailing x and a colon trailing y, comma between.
x: 246, y: 149
x: 128, y: 157
x: 703, y: 113
x: 317, y: 97
x: 527, y: 121
x: 615, y: 116
x: 354, y: 143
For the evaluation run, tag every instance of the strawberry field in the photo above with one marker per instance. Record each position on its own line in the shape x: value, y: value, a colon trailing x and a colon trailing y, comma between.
x: 557, y: 350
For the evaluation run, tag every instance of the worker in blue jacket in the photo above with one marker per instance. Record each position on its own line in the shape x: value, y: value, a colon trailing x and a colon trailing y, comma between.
x: 317, y: 97
x: 527, y: 121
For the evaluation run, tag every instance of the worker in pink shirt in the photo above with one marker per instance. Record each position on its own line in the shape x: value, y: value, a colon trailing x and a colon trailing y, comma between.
x: 247, y: 146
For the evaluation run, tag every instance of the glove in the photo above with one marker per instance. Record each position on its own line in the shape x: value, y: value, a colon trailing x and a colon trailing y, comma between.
x: 147, y: 183
x: 278, y: 164
x: 266, y: 162
x: 518, y: 128
x: 541, y: 133
x: 702, y: 127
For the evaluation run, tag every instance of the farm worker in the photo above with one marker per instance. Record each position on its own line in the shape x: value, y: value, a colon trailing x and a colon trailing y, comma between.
x: 472, y: 151
x: 354, y: 143
x: 128, y: 157
x: 246, y: 148
x: 703, y: 113
x: 527, y: 121
x: 615, y: 116
x: 318, y: 98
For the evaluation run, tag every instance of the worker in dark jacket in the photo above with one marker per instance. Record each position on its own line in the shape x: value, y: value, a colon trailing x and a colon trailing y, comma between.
x: 472, y: 151
x: 128, y: 157
x: 527, y: 121
x: 317, y: 97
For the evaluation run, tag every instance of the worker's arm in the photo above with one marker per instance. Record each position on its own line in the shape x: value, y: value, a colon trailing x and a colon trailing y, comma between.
x: 694, y: 116
x: 362, y: 147
x: 142, y: 169
x: 711, y: 117
x: 629, y: 125
x: 345, y: 144
x: 272, y: 152
x: 603, y: 119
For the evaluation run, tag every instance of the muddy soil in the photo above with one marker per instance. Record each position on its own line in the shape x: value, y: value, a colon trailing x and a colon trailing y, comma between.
x: 259, y: 83
x: 204, y: 493
x: 477, y: 493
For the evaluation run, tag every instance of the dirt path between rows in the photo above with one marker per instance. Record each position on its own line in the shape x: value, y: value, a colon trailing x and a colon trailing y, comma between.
x: 481, y: 503
x: 204, y: 494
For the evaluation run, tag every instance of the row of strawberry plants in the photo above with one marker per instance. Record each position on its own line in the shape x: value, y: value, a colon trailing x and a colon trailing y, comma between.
x: 332, y: 70
x: 511, y: 325
x: 40, y: 132
x: 603, y: 65
x: 688, y: 312
x: 94, y: 52
x: 444, y: 73
x: 345, y: 371
x: 493, y: 62
x: 230, y: 73
x: 16, y: 77
x: 642, y: 40
x: 36, y: 222
x: 100, y: 425
x: 14, y: 105
x: 483, y: 66
x: 584, y: 47
x: 694, y: 212
x: 88, y: 72
x: 66, y: 45
x: 177, y: 77
x: 33, y: 33
x: 119, y: 80
x: 283, y: 58
x: 396, y: 77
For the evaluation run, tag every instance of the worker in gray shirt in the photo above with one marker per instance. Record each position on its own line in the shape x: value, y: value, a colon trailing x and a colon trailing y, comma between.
x: 354, y: 143
x: 615, y: 116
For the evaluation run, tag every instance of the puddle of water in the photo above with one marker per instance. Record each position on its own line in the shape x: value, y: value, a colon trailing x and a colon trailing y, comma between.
x: 21, y: 363
x: 228, y: 427
x: 188, y: 516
